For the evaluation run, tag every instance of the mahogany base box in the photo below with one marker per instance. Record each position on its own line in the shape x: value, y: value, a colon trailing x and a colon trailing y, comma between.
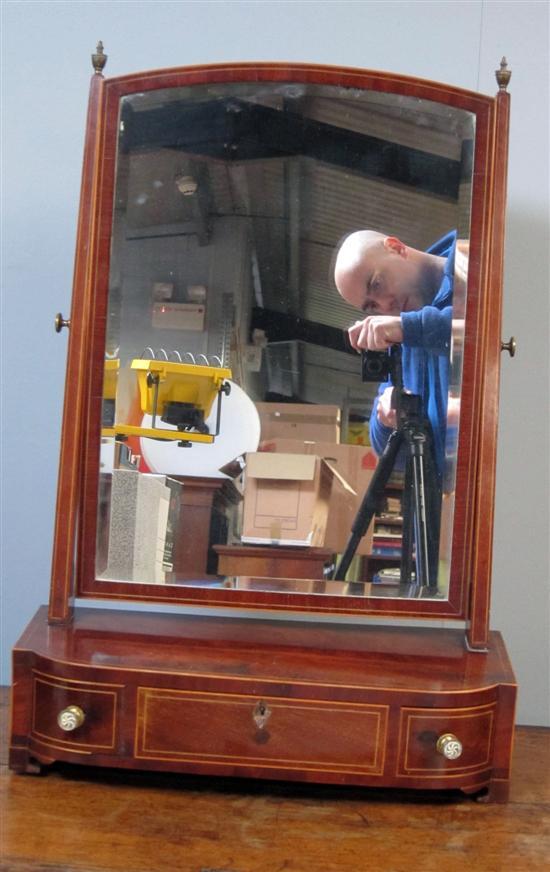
x: 293, y: 700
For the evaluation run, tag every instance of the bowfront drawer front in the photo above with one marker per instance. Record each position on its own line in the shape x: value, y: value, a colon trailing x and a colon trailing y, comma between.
x: 444, y: 742
x: 276, y: 732
x: 79, y: 716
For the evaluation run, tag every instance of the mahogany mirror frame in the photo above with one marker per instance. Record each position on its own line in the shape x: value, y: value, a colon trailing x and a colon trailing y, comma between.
x: 73, y: 570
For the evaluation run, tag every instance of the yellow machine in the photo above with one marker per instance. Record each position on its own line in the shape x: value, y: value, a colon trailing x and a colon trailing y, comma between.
x: 112, y: 366
x: 181, y: 394
x: 110, y: 381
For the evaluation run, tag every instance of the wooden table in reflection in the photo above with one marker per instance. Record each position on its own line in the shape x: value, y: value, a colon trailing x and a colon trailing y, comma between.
x: 272, y: 561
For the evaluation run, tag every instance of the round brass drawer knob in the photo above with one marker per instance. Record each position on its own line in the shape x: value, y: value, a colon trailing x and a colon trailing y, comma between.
x: 449, y: 746
x: 71, y: 718
x: 60, y: 322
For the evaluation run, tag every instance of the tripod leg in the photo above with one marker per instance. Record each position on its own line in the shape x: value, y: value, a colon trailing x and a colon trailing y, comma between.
x: 407, y: 510
x: 420, y: 519
x: 433, y: 517
x: 370, y: 502
x: 426, y: 509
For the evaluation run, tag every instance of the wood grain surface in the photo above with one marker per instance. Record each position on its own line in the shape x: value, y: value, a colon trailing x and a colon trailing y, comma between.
x: 180, y: 693
x: 85, y: 821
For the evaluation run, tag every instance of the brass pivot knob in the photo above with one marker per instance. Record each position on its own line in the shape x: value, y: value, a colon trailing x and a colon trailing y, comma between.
x: 261, y: 714
x: 60, y: 322
x: 509, y: 346
x: 71, y: 718
x: 449, y: 746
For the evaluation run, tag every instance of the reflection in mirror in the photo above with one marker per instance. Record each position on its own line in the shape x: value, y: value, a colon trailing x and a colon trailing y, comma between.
x: 236, y: 446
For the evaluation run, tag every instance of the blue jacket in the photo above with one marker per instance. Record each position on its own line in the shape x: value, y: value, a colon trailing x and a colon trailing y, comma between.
x: 425, y: 356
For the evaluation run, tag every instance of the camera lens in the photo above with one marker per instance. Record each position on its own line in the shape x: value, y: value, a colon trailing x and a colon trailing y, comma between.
x: 374, y: 367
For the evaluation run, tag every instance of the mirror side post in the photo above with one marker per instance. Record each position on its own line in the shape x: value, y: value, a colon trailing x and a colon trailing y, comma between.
x: 477, y: 630
x: 62, y: 585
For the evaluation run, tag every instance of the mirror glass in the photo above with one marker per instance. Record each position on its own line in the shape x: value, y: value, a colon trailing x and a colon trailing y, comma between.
x: 236, y: 449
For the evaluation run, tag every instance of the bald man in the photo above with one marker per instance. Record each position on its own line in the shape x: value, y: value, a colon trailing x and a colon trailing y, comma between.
x: 406, y: 298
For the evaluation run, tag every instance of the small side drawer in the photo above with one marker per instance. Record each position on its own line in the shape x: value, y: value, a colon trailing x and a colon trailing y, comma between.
x: 267, y: 732
x: 96, y: 702
x: 421, y: 729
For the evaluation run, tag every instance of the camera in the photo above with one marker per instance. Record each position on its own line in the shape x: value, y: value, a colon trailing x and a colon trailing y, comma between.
x: 376, y: 366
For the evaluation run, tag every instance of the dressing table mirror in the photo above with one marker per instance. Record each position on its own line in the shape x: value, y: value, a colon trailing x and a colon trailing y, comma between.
x: 216, y: 451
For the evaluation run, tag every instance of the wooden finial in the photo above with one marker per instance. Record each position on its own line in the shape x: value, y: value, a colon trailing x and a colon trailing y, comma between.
x: 99, y: 59
x: 503, y: 75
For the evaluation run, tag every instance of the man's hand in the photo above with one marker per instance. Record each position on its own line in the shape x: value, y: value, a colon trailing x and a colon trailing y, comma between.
x: 376, y: 332
x: 384, y: 412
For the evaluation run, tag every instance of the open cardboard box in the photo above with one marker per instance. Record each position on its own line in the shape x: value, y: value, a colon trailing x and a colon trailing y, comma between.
x: 287, y: 498
x: 355, y: 465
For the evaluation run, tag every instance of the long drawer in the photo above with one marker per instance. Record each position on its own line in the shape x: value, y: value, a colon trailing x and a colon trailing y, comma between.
x: 277, y: 732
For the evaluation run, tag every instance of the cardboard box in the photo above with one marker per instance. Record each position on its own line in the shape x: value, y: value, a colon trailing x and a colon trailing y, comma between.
x: 355, y: 465
x: 286, y: 499
x: 299, y: 421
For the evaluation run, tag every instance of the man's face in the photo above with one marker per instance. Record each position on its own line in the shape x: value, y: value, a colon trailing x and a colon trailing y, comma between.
x: 379, y: 278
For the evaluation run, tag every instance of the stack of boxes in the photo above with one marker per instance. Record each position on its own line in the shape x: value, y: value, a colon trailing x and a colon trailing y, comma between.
x: 303, y: 487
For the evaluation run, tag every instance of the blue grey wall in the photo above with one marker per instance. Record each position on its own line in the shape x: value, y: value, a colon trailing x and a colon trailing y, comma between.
x: 46, y: 51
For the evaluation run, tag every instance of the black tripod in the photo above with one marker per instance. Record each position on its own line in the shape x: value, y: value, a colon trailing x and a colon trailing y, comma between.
x: 422, y: 491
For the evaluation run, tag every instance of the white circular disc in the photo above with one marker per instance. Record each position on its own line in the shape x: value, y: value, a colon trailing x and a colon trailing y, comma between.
x: 239, y: 433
